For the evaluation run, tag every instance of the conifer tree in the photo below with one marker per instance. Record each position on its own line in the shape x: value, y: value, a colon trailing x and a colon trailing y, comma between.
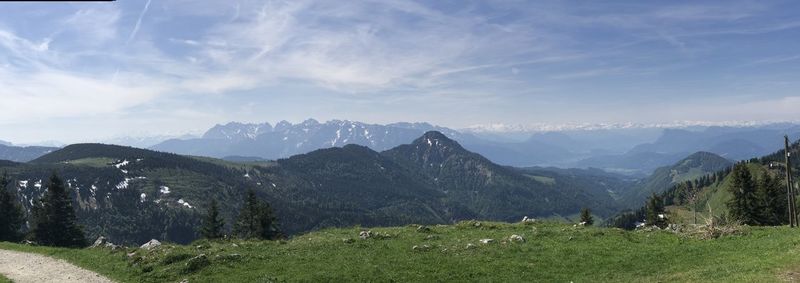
x: 213, y: 224
x: 655, y: 212
x: 269, y: 223
x: 586, y: 217
x: 256, y: 219
x: 744, y: 204
x: 247, y: 224
x: 55, y: 223
x: 772, y: 198
x: 11, y: 214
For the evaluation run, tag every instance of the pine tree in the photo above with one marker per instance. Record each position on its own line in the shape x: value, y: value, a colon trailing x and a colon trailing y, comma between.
x: 744, y: 205
x: 213, y: 224
x: 655, y: 212
x: 256, y: 219
x: 586, y: 217
x: 55, y: 223
x: 247, y: 225
x: 11, y: 214
x: 269, y: 223
x: 772, y: 200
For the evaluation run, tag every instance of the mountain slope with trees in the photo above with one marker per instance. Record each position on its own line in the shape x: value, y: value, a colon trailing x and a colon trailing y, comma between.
x: 751, y: 192
x: 689, y: 168
x: 133, y: 195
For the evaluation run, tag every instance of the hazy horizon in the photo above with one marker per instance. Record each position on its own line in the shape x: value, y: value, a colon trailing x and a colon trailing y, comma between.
x: 92, y: 71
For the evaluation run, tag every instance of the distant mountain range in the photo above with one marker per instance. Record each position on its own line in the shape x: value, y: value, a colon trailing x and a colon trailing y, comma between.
x: 673, y: 144
x: 634, y: 151
x: 23, y: 153
x: 286, y: 139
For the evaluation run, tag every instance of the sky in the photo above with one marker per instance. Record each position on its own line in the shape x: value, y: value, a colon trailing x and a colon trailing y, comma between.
x: 87, y: 71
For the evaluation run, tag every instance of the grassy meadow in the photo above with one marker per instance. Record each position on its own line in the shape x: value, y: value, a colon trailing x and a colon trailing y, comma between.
x: 551, y: 252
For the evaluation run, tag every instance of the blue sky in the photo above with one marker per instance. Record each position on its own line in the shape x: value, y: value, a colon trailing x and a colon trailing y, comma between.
x: 83, y: 71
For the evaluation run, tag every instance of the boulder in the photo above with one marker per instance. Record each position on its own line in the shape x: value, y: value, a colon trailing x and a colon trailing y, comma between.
x: 100, y: 242
x: 516, y: 238
x: 527, y: 220
x: 152, y: 244
x: 486, y: 241
x: 421, y: 248
x: 365, y: 235
x: 423, y: 229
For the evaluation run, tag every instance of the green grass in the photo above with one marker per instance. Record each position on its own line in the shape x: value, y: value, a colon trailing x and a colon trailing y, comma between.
x: 3, y: 279
x: 542, y: 179
x: 551, y: 253
x: 99, y: 162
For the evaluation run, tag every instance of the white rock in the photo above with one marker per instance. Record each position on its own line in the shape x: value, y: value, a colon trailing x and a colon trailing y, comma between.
x: 152, y: 244
x: 101, y: 241
x: 486, y: 241
x: 516, y: 238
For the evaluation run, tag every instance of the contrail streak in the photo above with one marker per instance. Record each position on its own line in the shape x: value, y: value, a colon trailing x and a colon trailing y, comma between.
x: 138, y: 22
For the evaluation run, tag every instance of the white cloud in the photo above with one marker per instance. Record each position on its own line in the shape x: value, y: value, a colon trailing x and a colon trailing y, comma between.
x: 94, y: 26
x: 365, y: 52
x: 48, y: 94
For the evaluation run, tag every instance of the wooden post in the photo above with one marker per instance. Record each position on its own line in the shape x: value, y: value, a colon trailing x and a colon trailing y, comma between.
x: 790, y: 195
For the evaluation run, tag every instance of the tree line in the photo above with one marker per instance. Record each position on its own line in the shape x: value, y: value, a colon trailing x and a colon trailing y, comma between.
x: 53, y: 221
x: 755, y: 200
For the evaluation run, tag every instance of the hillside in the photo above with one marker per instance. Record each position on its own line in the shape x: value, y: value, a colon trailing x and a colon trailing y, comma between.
x: 487, y: 189
x: 453, y: 253
x: 713, y: 194
x: 689, y: 168
x: 132, y: 195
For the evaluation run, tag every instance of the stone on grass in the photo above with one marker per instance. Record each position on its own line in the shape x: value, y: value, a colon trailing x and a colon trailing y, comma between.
x: 516, y: 238
x: 365, y: 235
x: 486, y: 241
x: 421, y: 248
x: 101, y: 241
x: 152, y: 244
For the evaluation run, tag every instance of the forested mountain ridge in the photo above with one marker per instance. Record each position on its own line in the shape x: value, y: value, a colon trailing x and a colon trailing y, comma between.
x: 132, y: 195
x: 693, y: 166
x: 710, y: 196
x: 488, y: 189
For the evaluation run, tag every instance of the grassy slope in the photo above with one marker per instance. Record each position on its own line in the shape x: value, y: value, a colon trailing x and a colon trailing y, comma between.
x: 716, y: 196
x: 552, y: 253
x: 3, y: 279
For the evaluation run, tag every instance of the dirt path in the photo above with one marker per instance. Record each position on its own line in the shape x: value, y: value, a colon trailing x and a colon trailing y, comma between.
x: 27, y: 267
